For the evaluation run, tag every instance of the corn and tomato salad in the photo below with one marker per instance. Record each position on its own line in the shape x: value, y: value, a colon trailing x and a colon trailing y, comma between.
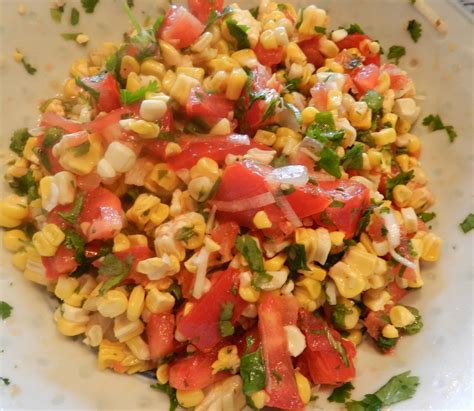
x: 230, y: 198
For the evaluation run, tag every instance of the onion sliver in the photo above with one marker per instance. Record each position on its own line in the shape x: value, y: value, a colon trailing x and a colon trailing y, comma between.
x: 245, y: 204
x: 393, y: 229
x: 201, y: 261
x: 296, y: 175
x: 402, y: 260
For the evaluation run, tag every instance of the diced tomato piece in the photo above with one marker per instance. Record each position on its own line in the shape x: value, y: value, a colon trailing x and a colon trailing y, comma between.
x: 180, y: 28
x: 268, y: 57
x: 280, y: 382
x: 319, y: 94
x: 138, y: 253
x: 327, y: 365
x: 51, y: 119
x: 352, y: 41
x: 288, y: 306
x: 186, y: 282
x: 208, y: 105
x: 225, y: 235
x: 372, y: 59
x: 99, y: 124
x: 88, y: 182
x: 106, y: 85
x: 194, y: 372
x: 256, y: 115
x: 202, y: 8
x: 62, y: 263
x: 201, y: 324
x: 375, y: 322
x: 356, y: 198
x: 217, y: 148
x: 102, y: 209
x: 160, y: 335
x: 310, y: 48
x: 366, y: 78
x: 375, y: 228
x: 242, y: 340
x: 308, y: 200
x: 396, y: 292
x: 398, y: 79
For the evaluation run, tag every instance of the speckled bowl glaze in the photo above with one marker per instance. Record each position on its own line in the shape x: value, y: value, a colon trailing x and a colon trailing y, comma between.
x: 48, y: 371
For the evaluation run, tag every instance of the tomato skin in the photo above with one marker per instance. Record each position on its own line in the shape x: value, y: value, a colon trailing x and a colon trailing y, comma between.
x: 325, y: 364
x: 268, y: 57
x: 138, y: 253
x: 103, y: 210
x: 180, y: 28
x: 356, y: 198
x: 194, y: 372
x: 375, y: 322
x: 201, y: 324
x: 109, y: 97
x: 62, y: 263
x: 396, y: 292
x: 282, y: 392
x: 225, y: 235
x: 354, y: 41
x: 310, y: 48
x: 210, y: 106
x: 160, y: 335
x: 308, y: 200
x: 202, y: 8
x: 51, y: 119
x: 365, y: 78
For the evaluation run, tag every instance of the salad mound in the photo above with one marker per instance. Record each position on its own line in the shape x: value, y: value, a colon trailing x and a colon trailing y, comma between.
x: 231, y: 200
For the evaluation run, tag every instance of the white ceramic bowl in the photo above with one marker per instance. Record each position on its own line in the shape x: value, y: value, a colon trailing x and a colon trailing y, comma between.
x: 48, y: 371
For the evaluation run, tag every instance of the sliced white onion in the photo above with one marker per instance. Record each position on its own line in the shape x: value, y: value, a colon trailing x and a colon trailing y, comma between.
x: 402, y: 260
x: 311, y: 147
x: 288, y: 211
x: 137, y: 174
x: 211, y: 219
x: 241, y: 139
x: 201, y: 262
x: 295, y: 175
x: 245, y: 204
x: 393, y: 229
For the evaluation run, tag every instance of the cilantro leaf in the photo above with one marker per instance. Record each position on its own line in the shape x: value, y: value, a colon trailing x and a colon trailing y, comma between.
x: 28, y: 67
x: 215, y: 15
x: 400, y: 179
x: 239, y: 33
x: 399, y: 388
x: 435, y: 123
x: 81, y: 149
x: 292, y: 84
x: 116, y: 269
x: 396, y: 53
x: 342, y: 393
x: 330, y: 162
x: 353, y: 158
x: 337, y: 346
x: 56, y: 13
x: 18, y: 140
x: 52, y: 136
x: 72, y: 215
x: 468, y: 223
x: 415, y: 29
x: 426, y: 217
x: 248, y: 247
x: 128, y: 97
x: 252, y: 371
x: 170, y: 392
x: 185, y: 234
x: 417, y: 325
x: 5, y: 310
x: 385, y: 344
x: 374, y: 100
x: 296, y: 257
x: 320, y: 30
x: 324, y: 130
x: 338, y: 316
x: 93, y: 92
x: 25, y: 185
x: 75, y: 242
x: 369, y: 403
x: 225, y: 325
x: 6, y: 381
x: 354, y: 28
x: 75, y: 16
x: 89, y: 5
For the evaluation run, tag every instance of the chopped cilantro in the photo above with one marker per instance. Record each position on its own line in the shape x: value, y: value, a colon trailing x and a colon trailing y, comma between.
x: 248, y: 247
x: 131, y: 3
x: 239, y: 33
x: 114, y: 268
x: 337, y: 346
x: 225, y: 325
x: 386, y: 344
x: 354, y: 28
x: 270, y: 110
x: 81, y: 149
x: 280, y: 161
x: 369, y: 403
x: 215, y: 15
x: 320, y: 30
x: 337, y: 204
x: 342, y: 393
x: 94, y: 93
x: 338, y: 316
x: 417, y: 325
x: 75, y: 16
x: 396, y: 53
x: 330, y: 162
x: 28, y: 67
x: 5, y: 310
x: 56, y: 13
x: 25, y: 185
x: 18, y: 140
x: 170, y: 392
x: 75, y: 242
x: 324, y: 130
x: 468, y: 223
x: 292, y: 85
x: 435, y: 123
x: 254, y: 12
x: 399, y: 388
x: 70, y: 36
x: 185, y: 234
x: 353, y: 158
x: 89, y: 5
x: 426, y: 217
x: 296, y: 257
x: 72, y: 215
x: 6, y: 381
x: 282, y: 7
x: 128, y: 97
x: 374, y: 100
x: 415, y: 29
x: 252, y: 371
x: 399, y: 179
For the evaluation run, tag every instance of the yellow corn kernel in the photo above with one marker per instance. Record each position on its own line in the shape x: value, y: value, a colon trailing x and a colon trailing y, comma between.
x: 389, y: 331
x: 151, y: 67
x: 258, y: 399
x: 182, y: 88
x: 111, y: 353
x: 303, y: 386
x: 304, y: 300
x: 145, y: 129
x: 384, y: 137
x: 14, y: 240
x: 414, y: 145
x: 351, y: 318
x: 315, y: 272
x: 65, y: 287
x: 48, y: 240
x: 375, y: 157
x: 312, y: 287
x: 125, y: 330
x: 361, y: 261
x: 205, y: 167
x: 227, y: 359
x: 308, y: 115
x: 159, y: 214
x: 348, y: 282
x: 236, y: 83
x: 139, y: 348
x: 168, y: 81
x: 13, y: 209
x: 402, y: 195
x: 121, y: 243
x: 133, y: 82
x: 265, y: 137
x: 327, y: 47
x: 194, y: 72
x: 249, y: 294
x: 431, y: 247
x: 294, y: 54
x: 85, y: 163
x: 337, y: 238
x: 162, y: 373
x: 421, y: 198
x: 112, y: 304
x: 284, y: 135
x: 401, y: 316
x: 189, y: 399
x: 268, y: 40
x: 171, y: 56
x: 360, y: 115
x: 403, y: 161
x: 172, y: 149
x: 136, y: 303
x: 246, y: 58
x: 367, y: 243
x: 261, y: 220
x: 390, y: 119
x: 69, y: 328
x: 19, y: 260
x: 129, y: 65
x: 376, y: 299
x: 276, y: 263
x: 312, y: 17
x: 383, y: 83
x: 355, y: 336
x: 403, y: 126
x: 158, y: 302
x: 141, y: 210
